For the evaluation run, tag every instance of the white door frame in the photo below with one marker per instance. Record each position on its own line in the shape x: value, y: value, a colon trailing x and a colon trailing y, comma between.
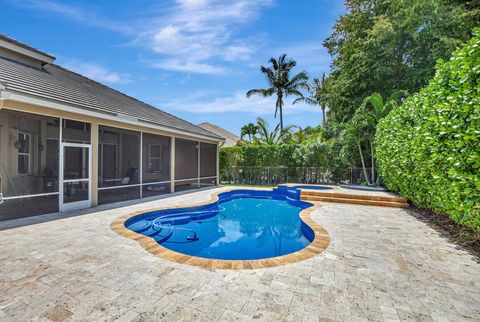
x: 77, y: 204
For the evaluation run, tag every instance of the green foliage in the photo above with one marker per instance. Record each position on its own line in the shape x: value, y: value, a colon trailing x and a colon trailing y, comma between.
x: 317, y: 95
x: 324, y: 155
x: 428, y: 149
x: 387, y: 46
x: 249, y: 130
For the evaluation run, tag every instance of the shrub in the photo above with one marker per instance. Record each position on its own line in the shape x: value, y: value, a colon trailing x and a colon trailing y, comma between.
x: 428, y: 149
x: 323, y: 155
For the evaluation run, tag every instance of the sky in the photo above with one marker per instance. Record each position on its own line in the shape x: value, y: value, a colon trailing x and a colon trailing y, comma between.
x: 195, y: 59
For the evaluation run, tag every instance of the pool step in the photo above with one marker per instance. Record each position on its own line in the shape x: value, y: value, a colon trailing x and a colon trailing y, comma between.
x: 357, y: 199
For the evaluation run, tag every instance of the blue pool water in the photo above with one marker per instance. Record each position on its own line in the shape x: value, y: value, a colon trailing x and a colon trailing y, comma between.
x: 242, y: 225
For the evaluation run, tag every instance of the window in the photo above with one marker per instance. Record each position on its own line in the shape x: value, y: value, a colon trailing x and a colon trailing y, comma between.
x: 23, y: 146
x: 154, y: 158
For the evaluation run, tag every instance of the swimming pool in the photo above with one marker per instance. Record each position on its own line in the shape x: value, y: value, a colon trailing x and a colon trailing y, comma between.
x: 241, y: 225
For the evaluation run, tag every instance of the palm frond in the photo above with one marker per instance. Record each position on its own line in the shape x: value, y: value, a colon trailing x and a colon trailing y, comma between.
x: 269, y: 75
x: 307, y: 100
x: 262, y: 92
x: 294, y: 92
x: 298, y: 100
x: 299, y: 80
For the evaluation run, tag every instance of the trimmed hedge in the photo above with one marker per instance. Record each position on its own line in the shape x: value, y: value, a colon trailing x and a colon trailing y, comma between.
x: 428, y: 149
x: 317, y: 154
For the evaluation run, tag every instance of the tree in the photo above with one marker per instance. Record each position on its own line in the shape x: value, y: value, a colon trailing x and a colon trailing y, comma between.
x: 270, y: 137
x: 297, y: 137
x: 428, y: 149
x: 389, y: 45
x: 249, y: 130
x: 280, y: 83
x: 361, y: 128
x: 318, y: 95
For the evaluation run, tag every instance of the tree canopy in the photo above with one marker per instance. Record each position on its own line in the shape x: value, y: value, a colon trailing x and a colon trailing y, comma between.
x: 386, y: 46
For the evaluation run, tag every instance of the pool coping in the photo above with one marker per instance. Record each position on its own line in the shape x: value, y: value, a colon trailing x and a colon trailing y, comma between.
x: 317, y: 246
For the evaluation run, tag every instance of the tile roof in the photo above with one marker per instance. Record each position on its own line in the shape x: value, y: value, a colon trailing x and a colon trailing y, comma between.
x: 55, y: 83
x: 230, y: 138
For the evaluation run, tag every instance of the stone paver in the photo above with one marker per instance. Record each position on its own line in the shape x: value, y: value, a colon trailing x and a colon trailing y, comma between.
x: 382, y: 264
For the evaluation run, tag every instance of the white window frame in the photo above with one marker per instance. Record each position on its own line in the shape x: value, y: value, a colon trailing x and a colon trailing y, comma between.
x: 27, y: 154
x: 159, y: 158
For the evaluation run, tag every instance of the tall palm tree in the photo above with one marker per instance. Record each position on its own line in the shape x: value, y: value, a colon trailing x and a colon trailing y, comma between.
x: 318, y: 95
x: 249, y: 130
x: 280, y: 82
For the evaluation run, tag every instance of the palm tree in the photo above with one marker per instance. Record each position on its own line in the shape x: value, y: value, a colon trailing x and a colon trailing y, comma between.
x: 318, y: 95
x: 297, y: 137
x: 280, y: 83
x: 361, y: 128
x: 270, y: 137
x: 249, y: 130
x: 373, y: 109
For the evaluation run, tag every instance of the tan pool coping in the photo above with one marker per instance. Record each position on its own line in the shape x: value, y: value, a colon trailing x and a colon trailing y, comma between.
x: 317, y: 246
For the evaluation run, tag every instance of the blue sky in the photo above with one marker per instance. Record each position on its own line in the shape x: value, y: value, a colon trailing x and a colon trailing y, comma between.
x: 193, y: 58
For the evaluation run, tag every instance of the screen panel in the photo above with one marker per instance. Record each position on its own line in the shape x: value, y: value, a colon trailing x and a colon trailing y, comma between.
x: 186, y: 159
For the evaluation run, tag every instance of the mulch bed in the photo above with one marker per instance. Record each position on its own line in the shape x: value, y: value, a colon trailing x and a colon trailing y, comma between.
x: 464, y: 237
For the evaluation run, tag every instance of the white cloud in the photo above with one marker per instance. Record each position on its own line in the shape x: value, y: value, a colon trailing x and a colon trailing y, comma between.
x: 238, y: 102
x: 98, y: 73
x: 238, y: 52
x: 196, y: 32
x: 166, y: 39
x: 192, y: 3
x: 188, y: 66
x: 200, y: 34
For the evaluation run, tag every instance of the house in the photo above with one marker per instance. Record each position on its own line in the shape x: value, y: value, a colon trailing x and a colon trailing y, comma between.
x: 230, y: 138
x: 68, y: 142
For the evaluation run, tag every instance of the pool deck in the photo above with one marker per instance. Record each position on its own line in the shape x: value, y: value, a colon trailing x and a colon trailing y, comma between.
x: 337, y: 189
x: 381, y: 264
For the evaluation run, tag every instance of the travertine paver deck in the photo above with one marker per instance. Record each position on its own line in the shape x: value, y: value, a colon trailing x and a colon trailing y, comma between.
x: 337, y: 189
x: 382, y: 264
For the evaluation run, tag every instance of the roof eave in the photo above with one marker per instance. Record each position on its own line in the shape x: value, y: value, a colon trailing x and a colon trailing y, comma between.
x: 18, y: 47
x: 30, y: 99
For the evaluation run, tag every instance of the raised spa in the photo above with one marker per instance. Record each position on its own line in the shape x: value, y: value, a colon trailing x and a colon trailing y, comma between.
x: 241, y: 225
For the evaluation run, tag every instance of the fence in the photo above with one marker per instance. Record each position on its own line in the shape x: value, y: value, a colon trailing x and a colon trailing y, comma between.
x: 269, y: 176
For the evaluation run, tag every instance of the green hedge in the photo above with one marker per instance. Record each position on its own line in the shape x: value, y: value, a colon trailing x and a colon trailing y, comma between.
x: 317, y: 154
x: 428, y: 149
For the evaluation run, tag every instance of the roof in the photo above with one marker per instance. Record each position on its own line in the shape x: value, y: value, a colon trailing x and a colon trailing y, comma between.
x: 57, y: 84
x: 24, y: 49
x: 230, y: 138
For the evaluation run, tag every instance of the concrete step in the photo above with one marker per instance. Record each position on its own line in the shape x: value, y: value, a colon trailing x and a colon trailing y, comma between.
x: 339, y: 195
x: 365, y: 202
